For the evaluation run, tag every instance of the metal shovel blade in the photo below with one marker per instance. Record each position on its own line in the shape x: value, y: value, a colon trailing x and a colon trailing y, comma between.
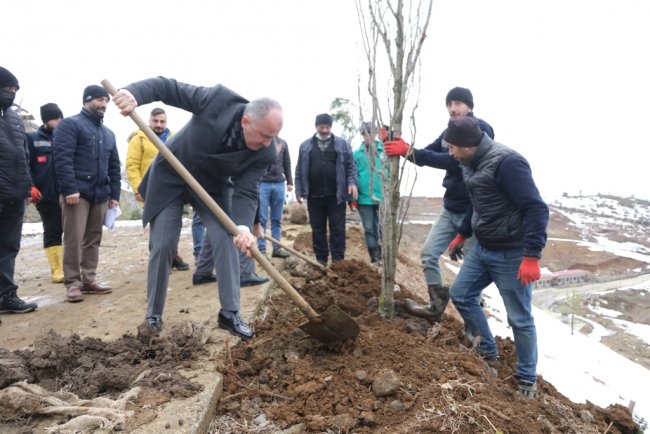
x: 333, y: 325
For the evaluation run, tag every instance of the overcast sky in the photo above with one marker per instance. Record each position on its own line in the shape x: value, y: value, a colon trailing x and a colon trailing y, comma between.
x: 563, y: 82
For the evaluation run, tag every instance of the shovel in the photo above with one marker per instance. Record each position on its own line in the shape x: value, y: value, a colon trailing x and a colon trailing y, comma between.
x: 297, y: 253
x: 331, y: 326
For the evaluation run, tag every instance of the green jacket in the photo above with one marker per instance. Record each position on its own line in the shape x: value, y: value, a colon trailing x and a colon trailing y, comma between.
x: 365, y: 168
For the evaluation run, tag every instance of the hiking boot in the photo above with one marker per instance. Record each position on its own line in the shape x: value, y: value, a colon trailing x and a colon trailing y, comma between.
x: 12, y: 304
x: 95, y: 288
x: 179, y: 264
x: 73, y: 294
x: 439, y: 297
x: 251, y: 279
x: 527, y: 389
x: 280, y: 253
x: 231, y: 321
x: 200, y: 279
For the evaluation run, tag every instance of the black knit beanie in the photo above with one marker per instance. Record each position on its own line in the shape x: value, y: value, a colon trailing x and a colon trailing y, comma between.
x: 50, y: 111
x: 324, y: 119
x: 94, y: 91
x: 463, y: 131
x: 460, y: 94
x: 7, y: 78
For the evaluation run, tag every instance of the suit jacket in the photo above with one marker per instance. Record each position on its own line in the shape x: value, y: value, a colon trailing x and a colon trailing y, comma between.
x: 232, y: 175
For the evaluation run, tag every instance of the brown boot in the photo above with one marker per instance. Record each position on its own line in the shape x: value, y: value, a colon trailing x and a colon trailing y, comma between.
x: 73, y: 294
x: 95, y: 288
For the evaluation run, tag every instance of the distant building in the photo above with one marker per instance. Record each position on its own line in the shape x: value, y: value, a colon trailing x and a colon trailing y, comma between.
x: 563, y: 278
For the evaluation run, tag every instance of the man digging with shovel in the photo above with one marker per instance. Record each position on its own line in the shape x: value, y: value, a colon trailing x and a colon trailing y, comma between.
x: 226, y: 147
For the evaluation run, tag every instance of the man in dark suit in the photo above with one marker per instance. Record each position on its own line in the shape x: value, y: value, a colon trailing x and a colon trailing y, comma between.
x: 226, y: 146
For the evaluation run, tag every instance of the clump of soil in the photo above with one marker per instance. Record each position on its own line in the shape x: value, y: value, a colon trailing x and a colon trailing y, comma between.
x: 90, y: 368
x: 399, y: 375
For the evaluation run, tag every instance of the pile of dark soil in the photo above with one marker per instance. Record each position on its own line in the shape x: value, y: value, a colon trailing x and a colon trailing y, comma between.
x: 90, y: 368
x: 400, y: 375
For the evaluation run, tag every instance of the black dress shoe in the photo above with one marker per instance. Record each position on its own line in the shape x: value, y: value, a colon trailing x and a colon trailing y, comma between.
x: 200, y: 279
x: 252, y: 279
x: 232, y: 322
x: 280, y: 253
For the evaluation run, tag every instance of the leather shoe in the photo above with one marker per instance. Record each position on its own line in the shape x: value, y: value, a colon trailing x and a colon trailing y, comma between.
x: 232, y: 322
x: 179, y: 264
x: 280, y: 253
x: 200, y: 279
x: 251, y: 279
x: 95, y: 288
x: 73, y: 294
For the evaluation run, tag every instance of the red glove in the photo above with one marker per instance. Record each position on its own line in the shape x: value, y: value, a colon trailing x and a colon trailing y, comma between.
x: 456, y: 248
x: 353, y: 205
x: 383, y: 134
x: 529, y: 270
x: 36, y: 195
x: 396, y: 148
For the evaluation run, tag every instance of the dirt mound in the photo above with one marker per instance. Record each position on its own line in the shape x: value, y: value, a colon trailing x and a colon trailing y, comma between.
x: 400, y: 375
x: 90, y: 368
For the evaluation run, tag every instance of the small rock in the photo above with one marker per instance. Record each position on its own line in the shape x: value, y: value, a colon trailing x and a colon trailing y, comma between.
x: 361, y: 375
x: 397, y: 405
x: 168, y: 425
x: 295, y: 429
x: 260, y: 420
x: 586, y: 416
x: 385, y: 383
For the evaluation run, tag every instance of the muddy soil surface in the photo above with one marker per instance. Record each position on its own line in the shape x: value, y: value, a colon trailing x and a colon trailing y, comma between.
x: 400, y: 375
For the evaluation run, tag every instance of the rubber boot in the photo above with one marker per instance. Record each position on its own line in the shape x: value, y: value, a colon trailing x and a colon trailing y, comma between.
x: 55, y: 258
x: 439, y: 297
x: 374, y: 254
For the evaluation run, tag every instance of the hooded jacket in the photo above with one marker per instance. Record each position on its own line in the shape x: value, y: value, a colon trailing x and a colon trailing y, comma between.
x: 365, y: 170
x: 140, y: 155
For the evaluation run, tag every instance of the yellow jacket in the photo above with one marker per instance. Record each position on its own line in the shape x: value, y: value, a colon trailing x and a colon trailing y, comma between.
x: 139, y: 156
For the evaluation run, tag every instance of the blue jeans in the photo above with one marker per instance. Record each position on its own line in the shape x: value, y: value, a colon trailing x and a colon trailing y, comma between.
x: 271, y: 196
x: 480, y: 268
x: 441, y: 234
x: 370, y: 221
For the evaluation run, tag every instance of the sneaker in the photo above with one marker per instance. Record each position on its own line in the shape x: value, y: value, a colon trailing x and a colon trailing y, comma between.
x: 232, y: 322
x: 179, y: 264
x: 200, y: 279
x: 493, y: 364
x: 13, y: 304
x: 73, y: 294
x: 527, y: 389
x: 280, y: 253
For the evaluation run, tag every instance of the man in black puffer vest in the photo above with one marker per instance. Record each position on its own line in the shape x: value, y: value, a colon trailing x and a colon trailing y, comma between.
x: 508, y: 219
x: 15, y: 184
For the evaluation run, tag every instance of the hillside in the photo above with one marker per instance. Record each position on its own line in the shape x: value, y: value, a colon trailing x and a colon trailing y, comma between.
x: 282, y: 379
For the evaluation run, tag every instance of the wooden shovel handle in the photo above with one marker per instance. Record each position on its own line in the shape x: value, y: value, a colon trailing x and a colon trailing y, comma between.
x: 216, y: 209
x: 302, y: 256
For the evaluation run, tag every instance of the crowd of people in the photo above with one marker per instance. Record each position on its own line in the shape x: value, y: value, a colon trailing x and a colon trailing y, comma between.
x: 493, y: 218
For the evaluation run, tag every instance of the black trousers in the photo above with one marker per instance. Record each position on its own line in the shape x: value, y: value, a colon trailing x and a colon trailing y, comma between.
x: 321, y: 211
x: 52, y: 227
x: 11, y: 227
